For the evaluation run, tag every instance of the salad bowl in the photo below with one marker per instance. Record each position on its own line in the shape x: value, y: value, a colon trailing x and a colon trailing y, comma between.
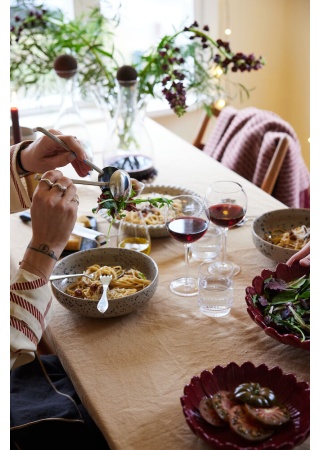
x: 278, y: 327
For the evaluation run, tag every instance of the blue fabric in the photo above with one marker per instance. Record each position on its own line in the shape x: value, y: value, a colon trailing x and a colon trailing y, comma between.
x: 46, y: 412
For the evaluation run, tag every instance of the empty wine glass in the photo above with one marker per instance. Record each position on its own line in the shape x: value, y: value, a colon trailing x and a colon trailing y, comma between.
x: 186, y: 221
x: 226, y: 203
x: 133, y: 232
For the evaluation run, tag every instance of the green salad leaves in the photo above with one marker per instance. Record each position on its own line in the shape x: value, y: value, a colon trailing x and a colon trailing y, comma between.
x: 286, y: 305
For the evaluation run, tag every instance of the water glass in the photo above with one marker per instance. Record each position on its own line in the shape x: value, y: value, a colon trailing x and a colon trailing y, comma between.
x: 133, y: 232
x: 215, y: 283
x: 209, y: 246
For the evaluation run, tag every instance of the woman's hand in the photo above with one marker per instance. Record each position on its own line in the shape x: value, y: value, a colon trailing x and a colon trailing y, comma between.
x: 303, y: 256
x: 53, y: 212
x: 45, y: 154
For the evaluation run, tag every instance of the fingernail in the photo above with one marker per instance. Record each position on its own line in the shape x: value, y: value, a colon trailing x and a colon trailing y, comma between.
x: 71, y: 157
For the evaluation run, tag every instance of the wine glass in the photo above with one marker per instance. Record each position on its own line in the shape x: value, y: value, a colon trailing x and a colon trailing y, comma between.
x: 186, y: 221
x: 133, y: 232
x: 226, y: 204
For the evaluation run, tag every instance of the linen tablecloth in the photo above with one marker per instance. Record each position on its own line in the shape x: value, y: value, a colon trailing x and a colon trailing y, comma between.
x: 130, y: 371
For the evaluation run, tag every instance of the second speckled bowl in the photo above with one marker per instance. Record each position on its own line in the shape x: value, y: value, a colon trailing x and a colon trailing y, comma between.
x: 285, y: 219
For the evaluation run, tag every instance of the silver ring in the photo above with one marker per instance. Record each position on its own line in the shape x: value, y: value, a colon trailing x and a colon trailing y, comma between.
x: 60, y: 187
x: 75, y: 199
x: 46, y: 180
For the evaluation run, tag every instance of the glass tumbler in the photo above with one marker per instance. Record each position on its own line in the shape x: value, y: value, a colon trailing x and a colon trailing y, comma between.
x: 215, y: 283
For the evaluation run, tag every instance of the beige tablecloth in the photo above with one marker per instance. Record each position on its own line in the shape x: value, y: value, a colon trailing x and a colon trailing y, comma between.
x: 130, y: 371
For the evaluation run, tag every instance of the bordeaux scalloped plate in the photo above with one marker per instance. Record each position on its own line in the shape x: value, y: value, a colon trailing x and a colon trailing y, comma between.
x: 157, y: 231
x: 293, y: 394
x: 286, y: 273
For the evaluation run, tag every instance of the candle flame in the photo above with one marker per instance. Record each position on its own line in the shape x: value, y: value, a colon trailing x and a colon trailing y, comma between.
x: 14, y: 99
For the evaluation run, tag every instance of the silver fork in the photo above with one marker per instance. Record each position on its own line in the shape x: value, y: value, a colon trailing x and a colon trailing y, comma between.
x: 103, y: 302
x: 71, y: 275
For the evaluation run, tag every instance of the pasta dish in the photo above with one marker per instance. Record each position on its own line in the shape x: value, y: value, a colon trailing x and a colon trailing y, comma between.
x: 124, y: 282
x: 151, y: 214
x: 294, y: 239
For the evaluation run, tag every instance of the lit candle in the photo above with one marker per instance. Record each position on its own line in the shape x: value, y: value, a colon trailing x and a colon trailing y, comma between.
x: 15, y: 125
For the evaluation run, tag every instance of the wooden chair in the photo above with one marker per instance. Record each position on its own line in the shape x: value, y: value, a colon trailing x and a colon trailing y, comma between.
x: 276, y: 162
x: 198, y: 140
x: 275, y: 165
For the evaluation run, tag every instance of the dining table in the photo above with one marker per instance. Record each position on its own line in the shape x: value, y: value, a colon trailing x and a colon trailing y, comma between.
x: 130, y: 371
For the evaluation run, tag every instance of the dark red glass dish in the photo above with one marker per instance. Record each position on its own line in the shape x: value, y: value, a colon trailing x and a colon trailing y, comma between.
x: 286, y: 273
x: 295, y: 395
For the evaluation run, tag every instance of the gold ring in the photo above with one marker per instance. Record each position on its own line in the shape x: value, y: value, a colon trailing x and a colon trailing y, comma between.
x: 49, y: 182
x: 60, y: 187
x: 76, y: 199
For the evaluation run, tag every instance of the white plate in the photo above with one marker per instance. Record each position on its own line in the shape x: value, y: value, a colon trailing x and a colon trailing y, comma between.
x: 157, y: 231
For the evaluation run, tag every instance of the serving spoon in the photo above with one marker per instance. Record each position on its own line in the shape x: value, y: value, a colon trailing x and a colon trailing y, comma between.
x: 117, y: 180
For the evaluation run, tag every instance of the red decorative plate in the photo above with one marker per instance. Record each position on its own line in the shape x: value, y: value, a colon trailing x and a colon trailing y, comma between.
x: 286, y: 273
x: 293, y: 394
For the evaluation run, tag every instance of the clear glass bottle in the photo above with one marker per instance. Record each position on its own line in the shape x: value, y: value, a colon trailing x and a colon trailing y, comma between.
x: 69, y: 119
x: 129, y: 146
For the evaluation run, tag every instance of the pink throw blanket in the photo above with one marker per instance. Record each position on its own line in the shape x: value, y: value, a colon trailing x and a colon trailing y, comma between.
x: 245, y: 140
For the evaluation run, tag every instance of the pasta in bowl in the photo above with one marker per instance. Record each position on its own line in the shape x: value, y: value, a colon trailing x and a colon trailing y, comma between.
x: 134, y: 281
x: 281, y: 233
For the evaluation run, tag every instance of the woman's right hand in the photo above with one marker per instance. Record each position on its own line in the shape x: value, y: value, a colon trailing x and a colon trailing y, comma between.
x: 45, y: 154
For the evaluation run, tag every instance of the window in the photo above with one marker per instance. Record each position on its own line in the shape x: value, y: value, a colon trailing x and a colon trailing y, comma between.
x: 142, y: 24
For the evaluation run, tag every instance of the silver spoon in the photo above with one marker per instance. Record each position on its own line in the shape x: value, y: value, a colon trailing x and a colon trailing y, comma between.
x: 119, y: 182
x: 120, y: 185
x: 103, y: 303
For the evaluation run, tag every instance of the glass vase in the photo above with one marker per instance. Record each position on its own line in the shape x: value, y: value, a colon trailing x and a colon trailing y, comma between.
x: 129, y: 146
x: 69, y: 120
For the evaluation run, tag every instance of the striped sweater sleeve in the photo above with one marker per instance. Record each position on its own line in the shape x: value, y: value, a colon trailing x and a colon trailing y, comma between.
x: 30, y: 313
x: 19, y: 196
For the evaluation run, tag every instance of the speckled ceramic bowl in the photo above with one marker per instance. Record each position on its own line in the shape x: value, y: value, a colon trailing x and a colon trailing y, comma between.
x: 285, y: 219
x: 78, y: 262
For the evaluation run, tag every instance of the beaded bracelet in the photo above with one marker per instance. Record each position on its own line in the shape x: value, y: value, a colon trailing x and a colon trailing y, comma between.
x: 35, y: 267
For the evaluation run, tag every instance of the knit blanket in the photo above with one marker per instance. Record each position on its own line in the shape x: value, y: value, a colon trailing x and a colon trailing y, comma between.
x: 245, y: 141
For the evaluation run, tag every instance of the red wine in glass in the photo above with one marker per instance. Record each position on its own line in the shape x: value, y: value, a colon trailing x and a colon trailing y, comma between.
x: 187, y: 229
x: 226, y: 206
x: 225, y: 215
x: 186, y: 221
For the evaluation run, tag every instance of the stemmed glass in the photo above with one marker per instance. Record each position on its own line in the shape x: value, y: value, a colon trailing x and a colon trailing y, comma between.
x: 226, y: 204
x: 186, y: 221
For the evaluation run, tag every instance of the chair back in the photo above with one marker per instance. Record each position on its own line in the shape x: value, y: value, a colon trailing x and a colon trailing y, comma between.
x: 260, y: 146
